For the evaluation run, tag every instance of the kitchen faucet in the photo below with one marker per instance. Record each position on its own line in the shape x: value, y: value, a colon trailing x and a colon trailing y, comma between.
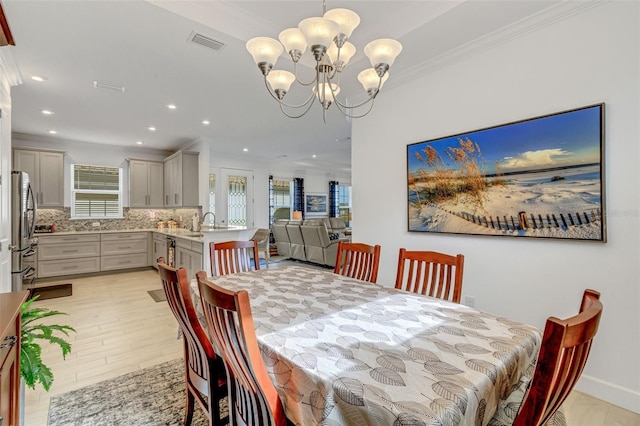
x: 212, y: 214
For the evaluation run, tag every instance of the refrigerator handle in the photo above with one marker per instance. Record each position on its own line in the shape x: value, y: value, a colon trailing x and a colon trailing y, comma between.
x: 34, y: 209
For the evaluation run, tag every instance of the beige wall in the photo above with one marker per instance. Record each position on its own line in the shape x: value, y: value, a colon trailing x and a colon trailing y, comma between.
x: 584, y: 58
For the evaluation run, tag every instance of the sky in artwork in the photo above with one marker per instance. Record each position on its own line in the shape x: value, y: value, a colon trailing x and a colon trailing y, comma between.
x: 560, y: 140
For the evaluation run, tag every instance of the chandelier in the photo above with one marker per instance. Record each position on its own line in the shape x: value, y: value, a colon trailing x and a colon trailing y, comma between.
x: 328, y: 40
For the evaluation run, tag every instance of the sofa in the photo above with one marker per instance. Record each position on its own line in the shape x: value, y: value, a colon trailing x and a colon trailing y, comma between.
x: 309, y: 240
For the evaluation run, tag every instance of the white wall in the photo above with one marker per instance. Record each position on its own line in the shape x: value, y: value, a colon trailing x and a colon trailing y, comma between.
x: 584, y: 59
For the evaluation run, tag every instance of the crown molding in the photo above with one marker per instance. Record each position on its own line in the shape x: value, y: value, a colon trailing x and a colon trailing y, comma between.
x: 549, y: 16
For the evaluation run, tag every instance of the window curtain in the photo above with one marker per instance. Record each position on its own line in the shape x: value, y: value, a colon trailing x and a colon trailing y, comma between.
x: 334, y: 203
x: 298, y: 195
x: 271, y: 200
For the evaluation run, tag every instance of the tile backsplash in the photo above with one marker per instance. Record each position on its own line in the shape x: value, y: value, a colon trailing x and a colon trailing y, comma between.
x: 133, y: 219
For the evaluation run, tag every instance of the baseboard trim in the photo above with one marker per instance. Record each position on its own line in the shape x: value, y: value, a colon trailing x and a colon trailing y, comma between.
x: 626, y: 398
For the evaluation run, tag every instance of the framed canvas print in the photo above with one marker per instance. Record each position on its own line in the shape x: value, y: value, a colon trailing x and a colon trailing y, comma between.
x: 316, y: 204
x: 540, y: 177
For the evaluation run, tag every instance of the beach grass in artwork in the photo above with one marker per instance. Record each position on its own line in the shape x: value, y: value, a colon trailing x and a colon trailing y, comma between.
x: 541, y: 177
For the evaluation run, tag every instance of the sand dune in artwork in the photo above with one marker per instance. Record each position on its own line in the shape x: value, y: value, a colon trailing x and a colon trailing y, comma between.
x: 568, y: 191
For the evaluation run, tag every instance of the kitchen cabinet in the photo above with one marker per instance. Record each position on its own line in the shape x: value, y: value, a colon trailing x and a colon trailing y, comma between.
x: 10, y: 304
x: 46, y: 172
x: 181, y: 180
x: 124, y: 250
x: 146, y: 184
x: 188, y: 256
x: 68, y: 254
x: 159, y: 248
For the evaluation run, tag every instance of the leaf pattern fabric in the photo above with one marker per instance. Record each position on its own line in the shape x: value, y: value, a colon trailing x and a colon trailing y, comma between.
x: 345, y: 352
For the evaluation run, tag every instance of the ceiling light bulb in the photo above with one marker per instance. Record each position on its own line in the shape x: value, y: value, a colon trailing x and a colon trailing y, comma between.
x: 265, y: 52
x: 47, y: 112
x: 53, y: 132
x: 206, y: 122
x: 139, y: 142
x: 382, y: 51
x: 313, y: 156
x: 171, y: 106
x: 38, y: 78
x: 245, y: 149
x: 151, y: 128
x: 346, y: 19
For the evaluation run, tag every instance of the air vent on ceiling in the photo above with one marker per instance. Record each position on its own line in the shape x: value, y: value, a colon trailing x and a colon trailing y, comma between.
x: 205, y: 41
x: 109, y: 86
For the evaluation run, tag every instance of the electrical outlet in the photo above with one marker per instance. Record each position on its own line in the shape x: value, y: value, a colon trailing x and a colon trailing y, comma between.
x: 470, y: 301
x: 96, y: 224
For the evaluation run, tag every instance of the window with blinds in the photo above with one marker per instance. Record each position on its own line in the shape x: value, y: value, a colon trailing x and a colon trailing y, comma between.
x: 96, y: 192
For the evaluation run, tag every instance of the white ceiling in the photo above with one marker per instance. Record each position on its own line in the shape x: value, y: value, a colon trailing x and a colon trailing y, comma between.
x: 144, y: 47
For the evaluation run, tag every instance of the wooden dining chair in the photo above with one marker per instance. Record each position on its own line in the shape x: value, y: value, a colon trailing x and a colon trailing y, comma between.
x: 204, y: 371
x: 253, y: 397
x: 231, y: 257
x: 431, y: 273
x: 358, y: 260
x: 562, y: 357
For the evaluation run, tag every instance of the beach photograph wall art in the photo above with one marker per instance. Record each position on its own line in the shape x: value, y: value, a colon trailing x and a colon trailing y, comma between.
x: 541, y: 177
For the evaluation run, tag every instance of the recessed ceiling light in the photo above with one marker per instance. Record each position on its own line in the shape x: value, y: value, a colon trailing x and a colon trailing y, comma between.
x: 139, y: 142
x: 206, y: 122
x: 313, y: 156
x: 47, y: 112
x: 38, y: 78
x: 245, y: 149
x: 53, y: 132
x: 151, y: 129
x: 109, y: 86
x: 171, y: 106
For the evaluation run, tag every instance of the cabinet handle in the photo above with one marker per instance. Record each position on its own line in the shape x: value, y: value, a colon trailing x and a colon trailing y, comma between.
x: 176, y: 198
x: 124, y: 248
x: 124, y: 262
x: 166, y: 200
x: 70, y: 267
x: 12, y: 341
x: 70, y: 251
x: 70, y: 239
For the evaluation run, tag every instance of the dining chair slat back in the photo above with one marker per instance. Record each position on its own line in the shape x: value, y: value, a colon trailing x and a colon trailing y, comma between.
x: 204, y: 371
x: 358, y: 260
x: 563, y: 354
x: 253, y: 397
x: 430, y: 273
x: 231, y: 257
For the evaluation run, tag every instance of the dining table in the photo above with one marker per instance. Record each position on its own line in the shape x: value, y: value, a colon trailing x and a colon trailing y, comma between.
x: 346, y: 352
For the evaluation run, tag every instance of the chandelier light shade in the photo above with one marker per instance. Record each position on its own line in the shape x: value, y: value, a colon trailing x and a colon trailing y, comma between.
x: 326, y: 38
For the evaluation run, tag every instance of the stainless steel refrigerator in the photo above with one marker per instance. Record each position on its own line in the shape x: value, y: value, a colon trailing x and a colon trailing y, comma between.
x: 23, y: 223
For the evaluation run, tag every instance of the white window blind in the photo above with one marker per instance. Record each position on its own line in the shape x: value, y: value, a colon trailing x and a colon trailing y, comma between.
x: 96, y: 192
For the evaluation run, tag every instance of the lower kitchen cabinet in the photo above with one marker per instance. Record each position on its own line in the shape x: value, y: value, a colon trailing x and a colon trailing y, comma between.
x: 189, y: 256
x: 124, y: 250
x: 68, y: 254
x: 158, y: 248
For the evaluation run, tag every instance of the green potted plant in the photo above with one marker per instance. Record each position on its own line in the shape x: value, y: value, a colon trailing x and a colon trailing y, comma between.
x: 32, y: 369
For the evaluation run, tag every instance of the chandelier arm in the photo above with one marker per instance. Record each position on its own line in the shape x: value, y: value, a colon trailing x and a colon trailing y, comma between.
x: 337, y: 102
x: 282, y: 106
x: 295, y: 72
x: 349, y: 115
x: 281, y: 102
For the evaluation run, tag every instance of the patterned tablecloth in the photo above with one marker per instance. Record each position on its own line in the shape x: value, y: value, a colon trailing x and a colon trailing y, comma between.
x: 346, y: 352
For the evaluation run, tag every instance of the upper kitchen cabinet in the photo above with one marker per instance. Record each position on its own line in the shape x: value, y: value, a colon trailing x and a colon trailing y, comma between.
x: 46, y: 173
x: 181, y: 180
x: 146, y: 184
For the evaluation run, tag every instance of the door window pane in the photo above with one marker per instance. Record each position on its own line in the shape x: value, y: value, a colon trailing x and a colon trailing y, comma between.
x: 237, y: 201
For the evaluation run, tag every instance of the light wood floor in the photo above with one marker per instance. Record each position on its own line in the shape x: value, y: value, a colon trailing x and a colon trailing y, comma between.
x: 120, y: 329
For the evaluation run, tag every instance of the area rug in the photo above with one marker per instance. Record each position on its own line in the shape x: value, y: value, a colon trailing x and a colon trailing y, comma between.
x: 52, y: 291
x: 158, y: 295
x: 154, y: 396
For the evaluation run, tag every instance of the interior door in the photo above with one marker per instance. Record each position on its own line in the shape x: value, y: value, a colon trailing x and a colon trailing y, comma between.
x: 235, y: 206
